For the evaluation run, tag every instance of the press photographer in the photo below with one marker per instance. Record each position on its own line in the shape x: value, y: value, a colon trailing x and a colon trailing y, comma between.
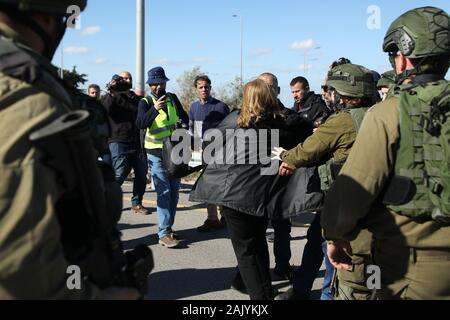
x: 126, y: 152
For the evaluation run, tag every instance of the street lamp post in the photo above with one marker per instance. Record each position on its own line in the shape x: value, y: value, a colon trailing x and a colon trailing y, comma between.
x: 242, y: 41
x: 61, y: 71
x: 305, y: 53
x: 140, y: 47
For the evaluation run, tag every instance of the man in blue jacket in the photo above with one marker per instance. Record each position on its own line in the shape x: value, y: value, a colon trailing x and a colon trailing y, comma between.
x: 206, y: 113
x: 158, y: 115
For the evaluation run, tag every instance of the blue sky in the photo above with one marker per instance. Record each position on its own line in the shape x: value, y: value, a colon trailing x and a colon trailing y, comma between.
x: 286, y: 37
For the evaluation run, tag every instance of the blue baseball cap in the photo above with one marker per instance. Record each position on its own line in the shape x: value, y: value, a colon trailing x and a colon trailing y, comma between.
x: 157, y: 75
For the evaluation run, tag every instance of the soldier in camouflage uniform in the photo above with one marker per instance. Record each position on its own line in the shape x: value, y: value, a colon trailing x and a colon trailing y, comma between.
x: 386, y: 81
x: 36, y: 187
x: 352, y: 88
x: 391, y: 183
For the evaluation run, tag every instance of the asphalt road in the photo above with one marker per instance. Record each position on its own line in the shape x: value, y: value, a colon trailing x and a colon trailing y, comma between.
x: 204, y: 265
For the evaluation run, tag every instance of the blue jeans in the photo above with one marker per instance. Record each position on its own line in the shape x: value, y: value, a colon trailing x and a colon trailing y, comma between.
x: 312, y: 258
x: 106, y: 158
x: 328, y: 278
x: 167, y: 192
x: 126, y: 156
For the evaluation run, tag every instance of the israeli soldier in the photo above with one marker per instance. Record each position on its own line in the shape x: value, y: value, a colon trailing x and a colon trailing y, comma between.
x: 352, y: 88
x: 386, y: 81
x: 396, y: 179
x: 38, y: 188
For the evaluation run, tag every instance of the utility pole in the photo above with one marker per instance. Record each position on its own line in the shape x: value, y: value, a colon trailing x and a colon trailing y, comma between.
x: 140, y: 47
x: 242, y: 43
x: 61, y: 71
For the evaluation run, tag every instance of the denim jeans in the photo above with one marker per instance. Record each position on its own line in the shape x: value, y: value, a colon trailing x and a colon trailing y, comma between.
x: 312, y: 259
x: 106, y: 158
x: 167, y: 193
x: 328, y: 277
x: 127, y: 156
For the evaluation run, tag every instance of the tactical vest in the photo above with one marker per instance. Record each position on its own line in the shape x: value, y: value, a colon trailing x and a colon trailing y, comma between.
x: 89, y: 204
x: 331, y: 168
x: 163, y: 125
x: 423, y: 153
x: 18, y: 61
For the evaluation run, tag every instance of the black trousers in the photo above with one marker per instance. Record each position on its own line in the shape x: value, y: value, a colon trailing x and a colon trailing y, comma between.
x: 248, y: 237
x: 282, y: 243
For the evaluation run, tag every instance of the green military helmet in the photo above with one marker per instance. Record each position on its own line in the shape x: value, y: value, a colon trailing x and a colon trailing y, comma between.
x: 52, y: 7
x: 387, y: 79
x: 419, y: 33
x: 352, y: 80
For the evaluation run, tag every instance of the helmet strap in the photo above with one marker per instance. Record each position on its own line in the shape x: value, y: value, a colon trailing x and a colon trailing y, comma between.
x: 406, y: 74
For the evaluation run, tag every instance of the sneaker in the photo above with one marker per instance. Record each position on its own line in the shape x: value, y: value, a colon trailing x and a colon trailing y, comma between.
x: 238, y: 284
x: 291, y: 295
x: 168, y: 241
x: 210, y: 225
x: 174, y: 234
x: 139, y: 209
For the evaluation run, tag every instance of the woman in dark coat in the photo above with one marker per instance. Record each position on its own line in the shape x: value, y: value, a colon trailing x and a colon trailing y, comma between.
x: 246, y: 191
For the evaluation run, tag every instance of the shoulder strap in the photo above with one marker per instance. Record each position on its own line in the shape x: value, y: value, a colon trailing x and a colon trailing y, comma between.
x: 148, y: 100
x: 358, y: 116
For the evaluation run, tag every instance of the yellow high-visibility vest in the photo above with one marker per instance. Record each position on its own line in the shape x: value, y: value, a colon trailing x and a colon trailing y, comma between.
x: 162, y: 127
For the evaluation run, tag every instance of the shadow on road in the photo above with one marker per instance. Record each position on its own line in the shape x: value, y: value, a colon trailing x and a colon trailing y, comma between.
x: 192, y: 207
x: 126, y: 226
x: 148, y: 240
x: 185, y: 283
x: 187, y: 237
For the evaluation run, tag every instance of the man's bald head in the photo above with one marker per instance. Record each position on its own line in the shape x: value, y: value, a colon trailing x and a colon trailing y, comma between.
x: 271, y: 80
x: 127, y: 76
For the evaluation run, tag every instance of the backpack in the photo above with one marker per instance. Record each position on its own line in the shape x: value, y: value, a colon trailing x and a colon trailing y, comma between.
x: 330, y: 170
x: 173, y: 170
x: 423, y: 154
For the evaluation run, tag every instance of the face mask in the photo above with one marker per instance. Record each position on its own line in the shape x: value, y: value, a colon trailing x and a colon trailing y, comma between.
x: 52, y: 44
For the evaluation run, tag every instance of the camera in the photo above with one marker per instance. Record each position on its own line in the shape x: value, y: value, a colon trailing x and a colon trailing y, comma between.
x: 118, y: 84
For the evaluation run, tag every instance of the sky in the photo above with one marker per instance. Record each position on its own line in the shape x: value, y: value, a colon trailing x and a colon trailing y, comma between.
x: 286, y: 37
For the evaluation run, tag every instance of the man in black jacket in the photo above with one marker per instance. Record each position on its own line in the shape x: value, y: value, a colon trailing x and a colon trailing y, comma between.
x: 282, y: 227
x: 126, y: 151
x: 310, y: 105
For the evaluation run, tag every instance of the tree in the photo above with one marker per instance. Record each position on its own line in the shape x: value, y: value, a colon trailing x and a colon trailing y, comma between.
x: 186, y: 92
x: 231, y: 93
x: 74, y: 78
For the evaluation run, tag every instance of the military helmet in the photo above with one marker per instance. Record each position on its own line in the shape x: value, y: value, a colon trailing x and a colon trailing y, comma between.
x: 387, y: 79
x: 52, y: 7
x: 352, y: 80
x: 419, y: 33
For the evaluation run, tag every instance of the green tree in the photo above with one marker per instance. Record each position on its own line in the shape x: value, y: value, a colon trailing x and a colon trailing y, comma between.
x: 186, y: 90
x: 74, y: 78
x: 231, y: 93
